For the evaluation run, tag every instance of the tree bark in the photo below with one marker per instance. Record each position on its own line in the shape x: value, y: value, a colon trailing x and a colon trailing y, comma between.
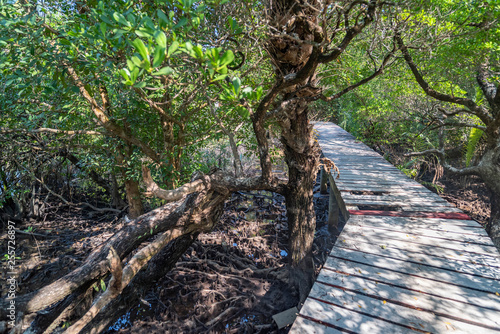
x: 302, y: 158
x: 132, y: 191
x: 493, y: 225
x: 135, y: 208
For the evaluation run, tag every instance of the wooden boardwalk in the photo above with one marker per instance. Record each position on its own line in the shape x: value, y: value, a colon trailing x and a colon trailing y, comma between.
x: 407, y: 261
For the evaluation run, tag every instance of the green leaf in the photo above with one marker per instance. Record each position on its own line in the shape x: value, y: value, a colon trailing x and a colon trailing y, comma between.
x: 121, y: 19
x: 236, y: 84
x: 143, y: 33
x: 198, y: 51
x: 474, y: 136
x: 137, y: 61
x: 182, y: 22
x: 159, y: 56
x: 220, y: 77
x: 227, y: 58
x: 130, y: 65
x: 162, y: 16
x: 141, y: 84
x: 125, y: 73
x: 172, y: 48
x: 164, y: 71
x: 161, y: 39
x: 103, y: 28
x: 103, y: 285
x: 134, y: 74
x: 141, y: 48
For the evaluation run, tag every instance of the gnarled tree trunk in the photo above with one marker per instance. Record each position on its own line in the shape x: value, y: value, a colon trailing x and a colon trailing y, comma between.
x: 302, y: 157
x: 301, y: 151
x: 493, y: 225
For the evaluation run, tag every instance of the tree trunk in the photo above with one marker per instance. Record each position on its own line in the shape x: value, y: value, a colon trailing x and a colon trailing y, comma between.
x: 490, y: 173
x: 135, y: 207
x: 302, y: 158
x: 493, y: 225
x: 299, y: 21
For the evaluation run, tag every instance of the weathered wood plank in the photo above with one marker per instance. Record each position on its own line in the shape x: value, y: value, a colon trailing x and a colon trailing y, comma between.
x: 426, y: 226
x: 415, y: 270
x: 353, y: 241
x: 418, y: 292
x: 397, y: 313
x: 412, y: 239
x: 432, y: 223
x: 306, y: 326
x: 412, y: 197
x: 466, y: 267
x: 347, y: 320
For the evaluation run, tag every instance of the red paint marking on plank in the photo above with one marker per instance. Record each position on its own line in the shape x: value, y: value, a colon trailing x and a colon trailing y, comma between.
x: 416, y: 214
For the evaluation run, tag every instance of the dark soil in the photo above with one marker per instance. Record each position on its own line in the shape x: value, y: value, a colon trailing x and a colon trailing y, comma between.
x: 469, y: 195
x: 232, y: 280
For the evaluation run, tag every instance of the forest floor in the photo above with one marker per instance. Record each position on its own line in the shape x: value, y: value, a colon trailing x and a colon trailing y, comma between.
x: 221, y: 285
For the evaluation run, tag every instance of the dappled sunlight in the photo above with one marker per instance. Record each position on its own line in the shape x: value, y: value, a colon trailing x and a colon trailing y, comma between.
x: 400, y: 264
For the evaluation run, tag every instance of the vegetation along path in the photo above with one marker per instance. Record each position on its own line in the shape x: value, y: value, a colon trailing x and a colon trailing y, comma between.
x: 406, y: 261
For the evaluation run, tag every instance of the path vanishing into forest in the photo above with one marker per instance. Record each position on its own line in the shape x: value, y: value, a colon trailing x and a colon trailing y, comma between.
x: 406, y: 261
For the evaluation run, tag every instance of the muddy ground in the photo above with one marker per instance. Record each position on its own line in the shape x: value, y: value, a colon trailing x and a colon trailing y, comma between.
x: 232, y: 280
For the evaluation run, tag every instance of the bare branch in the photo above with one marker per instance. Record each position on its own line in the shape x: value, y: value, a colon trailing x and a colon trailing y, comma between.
x: 479, y: 111
x: 488, y: 88
x: 49, y: 130
x: 375, y: 74
x: 169, y: 195
x: 474, y: 170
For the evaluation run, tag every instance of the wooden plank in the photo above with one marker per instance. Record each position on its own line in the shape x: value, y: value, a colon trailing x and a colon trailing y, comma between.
x: 467, y: 225
x: 406, y: 203
x: 418, y: 292
x: 451, y: 255
x: 468, y: 231
x: 395, y: 312
x: 406, y: 208
x: 306, y: 326
x: 347, y: 188
x: 464, y: 266
x: 416, y: 240
x: 423, y: 233
x: 413, y: 214
x: 412, y: 197
x: 418, y: 270
x: 347, y: 320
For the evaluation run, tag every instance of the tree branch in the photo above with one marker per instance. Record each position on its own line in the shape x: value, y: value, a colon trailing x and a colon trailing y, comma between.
x: 49, y: 130
x: 169, y: 195
x: 375, y: 74
x: 473, y: 107
x: 474, y: 170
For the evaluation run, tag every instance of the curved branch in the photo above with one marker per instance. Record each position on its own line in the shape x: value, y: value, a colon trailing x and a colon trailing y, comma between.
x: 375, y: 74
x: 473, y: 107
x: 49, y: 130
x: 169, y: 195
x: 351, y: 32
x: 488, y: 88
x: 474, y: 170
